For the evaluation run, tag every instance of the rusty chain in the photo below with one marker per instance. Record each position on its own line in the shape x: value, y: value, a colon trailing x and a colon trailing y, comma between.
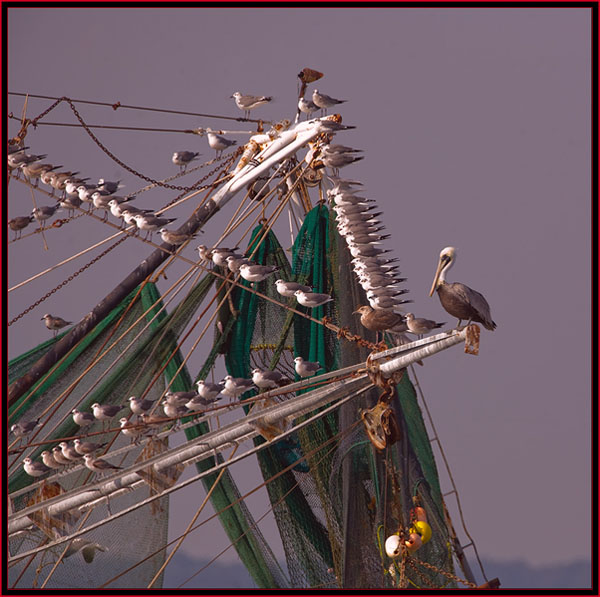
x: 35, y: 120
x: 122, y: 164
x: 71, y: 277
x: 223, y: 167
x: 412, y: 560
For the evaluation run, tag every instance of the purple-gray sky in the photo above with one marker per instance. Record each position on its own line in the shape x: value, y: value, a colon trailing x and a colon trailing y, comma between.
x: 476, y: 129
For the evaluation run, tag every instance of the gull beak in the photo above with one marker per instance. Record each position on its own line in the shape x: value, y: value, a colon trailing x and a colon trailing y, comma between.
x: 438, y: 271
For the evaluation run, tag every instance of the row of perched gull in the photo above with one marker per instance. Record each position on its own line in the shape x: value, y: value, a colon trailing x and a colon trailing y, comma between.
x: 75, y: 191
x: 174, y: 406
x: 252, y: 272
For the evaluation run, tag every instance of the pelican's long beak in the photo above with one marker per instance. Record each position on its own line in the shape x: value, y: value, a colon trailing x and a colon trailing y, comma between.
x: 438, y: 271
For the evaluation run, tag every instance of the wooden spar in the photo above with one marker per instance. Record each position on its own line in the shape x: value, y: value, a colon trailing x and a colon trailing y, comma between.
x: 106, y: 305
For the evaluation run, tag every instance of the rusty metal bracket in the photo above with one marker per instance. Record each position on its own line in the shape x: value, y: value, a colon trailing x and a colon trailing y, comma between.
x: 472, y: 339
x: 381, y: 425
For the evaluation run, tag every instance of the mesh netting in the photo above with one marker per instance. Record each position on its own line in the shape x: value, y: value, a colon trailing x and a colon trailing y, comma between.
x: 115, y: 551
x: 334, y: 514
x: 334, y: 507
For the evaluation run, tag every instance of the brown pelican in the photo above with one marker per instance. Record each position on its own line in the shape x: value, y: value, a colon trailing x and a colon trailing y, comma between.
x: 457, y: 299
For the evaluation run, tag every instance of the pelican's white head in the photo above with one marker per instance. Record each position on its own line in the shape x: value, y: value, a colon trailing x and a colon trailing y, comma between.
x: 448, y: 252
x: 447, y: 256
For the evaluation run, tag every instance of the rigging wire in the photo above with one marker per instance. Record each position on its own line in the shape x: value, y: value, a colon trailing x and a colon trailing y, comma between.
x: 112, y: 127
x: 447, y: 465
x: 192, y: 521
x: 303, y: 457
x: 99, y: 355
x: 119, y: 105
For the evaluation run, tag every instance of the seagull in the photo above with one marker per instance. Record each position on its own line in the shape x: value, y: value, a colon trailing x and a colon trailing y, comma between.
x: 69, y: 452
x: 131, y: 430
x: 98, y: 465
x: 20, y: 159
x: 43, y: 213
x: 87, y: 549
x: 140, y: 406
x: 332, y: 148
x: 104, y: 412
x: 85, y: 192
x: 325, y: 101
x: 83, y: 419
x: 71, y: 185
x: 365, y: 239
x: 174, y: 238
x: 205, y: 253
x: 70, y: 203
x: 55, y: 323
x: 127, y: 212
x: 209, y: 391
x: 46, y: 177
x: 356, y: 211
x: 183, y: 158
x: 34, y: 170
x: 289, y: 288
x: 150, y: 222
x: 249, y: 102
x: 368, y: 250
x: 58, y: 456
x: 18, y: 224
x: 16, y: 147
x: 385, y: 302
x: 198, y: 403
x: 381, y: 320
x: 236, y: 386
x: 35, y: 469
x: 101, y: 200
x: 173, y: 411
x: 21, y: 429
x: 335, y: 161
x: 218, y: 142
x: 344, y: 200
x: 343, y: 184
x: 312, y: 299
x: 382, y: 282
x: 58, y: 180
x: 153, y: 420
x: 109, y: 186
x: 234, y: 263
x: 305, y: 368
x: 264, y: 378
x: 49, y: 460
x: 420, y: 325
x: 219, y: 254
x: 257, y: 273
x: 106, y: 201
x: 179, y: 398
x: 259, y: 188
x: 306, y: 106
x: 86, y: 447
